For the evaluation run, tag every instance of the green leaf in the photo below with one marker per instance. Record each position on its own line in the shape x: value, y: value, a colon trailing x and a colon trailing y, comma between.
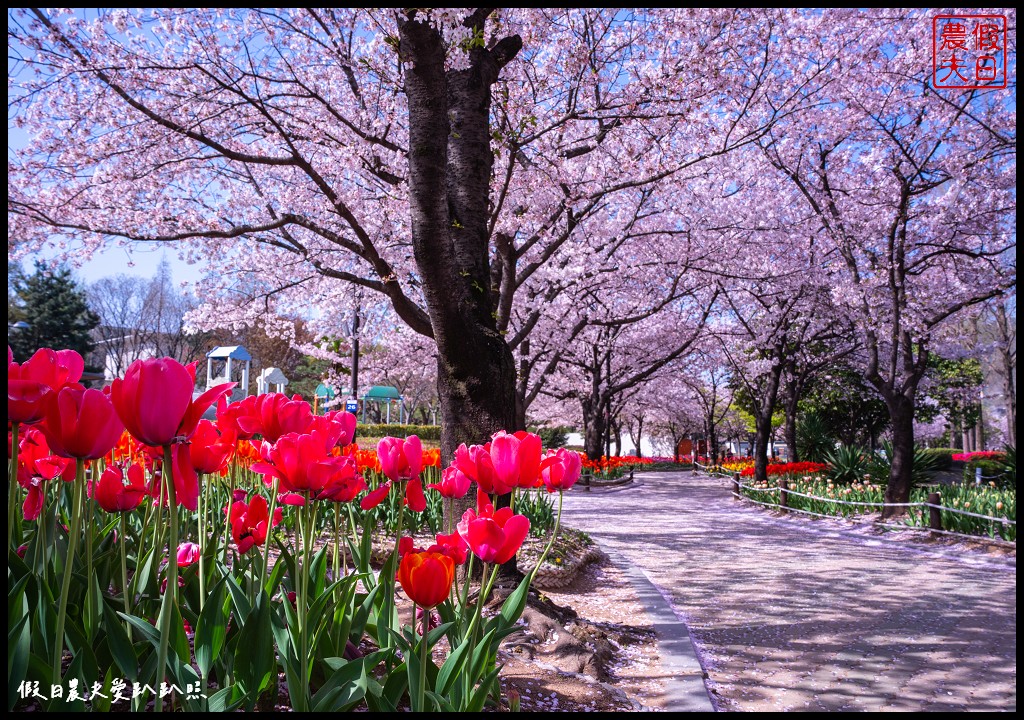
x: 452, y: 667
x: 344, y: 688
x: 221, y: 701
x: 180, y: 640
x: 254, y: 655
x: 395, y: 687
x: 362, y: 614
x: 512, y: 608
x: 212, y: 628
x: 479, y: 657
x: 479, y: 696
x: 120, y: 646
x: 93, y: 607
x: 19, y: 648
x: 241, y: 602
x: 148, y: 631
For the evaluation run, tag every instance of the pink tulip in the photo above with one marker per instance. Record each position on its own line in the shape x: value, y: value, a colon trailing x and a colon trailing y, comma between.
x: 249, y: 523
x: 36, y: 460
x: 561, y: 469
x: 209, y: 450
x: 302, y: 464
x: 80, y: 423
x: 274, y: 414
x: 346, y: 483
x: 375, y: 497
x: 155, y: 400
x: 401, y: 460
x: 188, y: 553
x: 493, y: 536
x: 516, y: 458
x: 454, y: 546
x: 475, y: 462
x: 454, y: 483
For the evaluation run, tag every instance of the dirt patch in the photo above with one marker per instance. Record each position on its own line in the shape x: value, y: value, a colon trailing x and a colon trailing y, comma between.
x: 587, y: 647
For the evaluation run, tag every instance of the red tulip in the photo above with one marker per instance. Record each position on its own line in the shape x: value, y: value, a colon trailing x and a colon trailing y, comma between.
x: 561, y: 469
x: 36, y: 460
x: 493, y: 536
x: 345, y: 485
x: 155, y: 400
x: 249, y: 523
x: 454, y: 483
x: 33, y: 504
x: 426, y: 577
x: 209, y: 450
x: 113, y: 495
x: 401, y: 460
x: 274, y: 414
x: 29, y: 384
x: 516, y: 458
x: 375, y: 497
x: 302, y: 464
x: 454, y: 546
x: 229, y: 414
x: 81, y: 423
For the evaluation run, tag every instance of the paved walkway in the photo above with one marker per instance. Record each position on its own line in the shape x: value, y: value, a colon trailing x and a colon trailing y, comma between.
x: 797, y: 614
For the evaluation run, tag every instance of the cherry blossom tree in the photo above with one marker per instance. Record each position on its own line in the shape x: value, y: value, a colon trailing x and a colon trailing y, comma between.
x: 459, y: 163
x: 913, y: 190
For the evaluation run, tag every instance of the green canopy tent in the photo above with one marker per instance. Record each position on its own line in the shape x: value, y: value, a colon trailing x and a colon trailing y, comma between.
x: 386, y: 395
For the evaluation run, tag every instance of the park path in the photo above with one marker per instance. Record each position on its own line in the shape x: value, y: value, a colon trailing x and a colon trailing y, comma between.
x: 789, y: 613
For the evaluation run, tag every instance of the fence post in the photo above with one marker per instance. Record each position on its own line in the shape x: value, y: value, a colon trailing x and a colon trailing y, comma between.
x: 585, y: 481
x: 934, y: 514
x: 736, y: 486
x: 783, y: 494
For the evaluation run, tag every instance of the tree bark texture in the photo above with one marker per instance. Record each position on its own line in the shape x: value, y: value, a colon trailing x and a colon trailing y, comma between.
x: 450, y: 164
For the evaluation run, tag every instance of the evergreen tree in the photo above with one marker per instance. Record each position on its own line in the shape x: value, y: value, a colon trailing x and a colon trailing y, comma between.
x: 56, y: 311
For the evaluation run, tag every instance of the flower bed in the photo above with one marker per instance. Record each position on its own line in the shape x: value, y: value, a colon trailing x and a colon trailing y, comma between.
x: 194, y: 559
x: 983, y: 500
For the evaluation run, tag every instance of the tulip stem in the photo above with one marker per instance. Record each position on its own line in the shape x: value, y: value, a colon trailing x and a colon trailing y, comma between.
x: 170, y: 602
x: 62, y: 610
x: 12, y: 488
x: 389, y: 599
x: 306, y: 519
x: 554, y: 535
x: 231, y: 501
x: 124, y: 571
x: 202, y: 540
x: 88, y: 513
x: 265, y: 570
x: 424, y: 650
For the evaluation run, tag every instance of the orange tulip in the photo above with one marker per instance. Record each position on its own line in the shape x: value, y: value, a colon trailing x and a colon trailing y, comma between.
x: 426, y: 577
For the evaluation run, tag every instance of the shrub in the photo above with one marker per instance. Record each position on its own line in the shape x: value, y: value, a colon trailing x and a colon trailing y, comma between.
x: 539, y: 508
x: 992, y: 470
x: 848, y: 464
x: 425, y: 432
x: 814, y: 439
x: 553, y: 437
x: 941, y: 457
x: 880, y: 465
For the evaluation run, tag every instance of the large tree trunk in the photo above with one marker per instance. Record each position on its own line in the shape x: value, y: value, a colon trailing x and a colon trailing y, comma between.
x: 792, y: 400
x: 901, y: 415
x: 1008, y: 371
x: 450, y: 171
x: 762, y: 435
x: 594, y: 429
